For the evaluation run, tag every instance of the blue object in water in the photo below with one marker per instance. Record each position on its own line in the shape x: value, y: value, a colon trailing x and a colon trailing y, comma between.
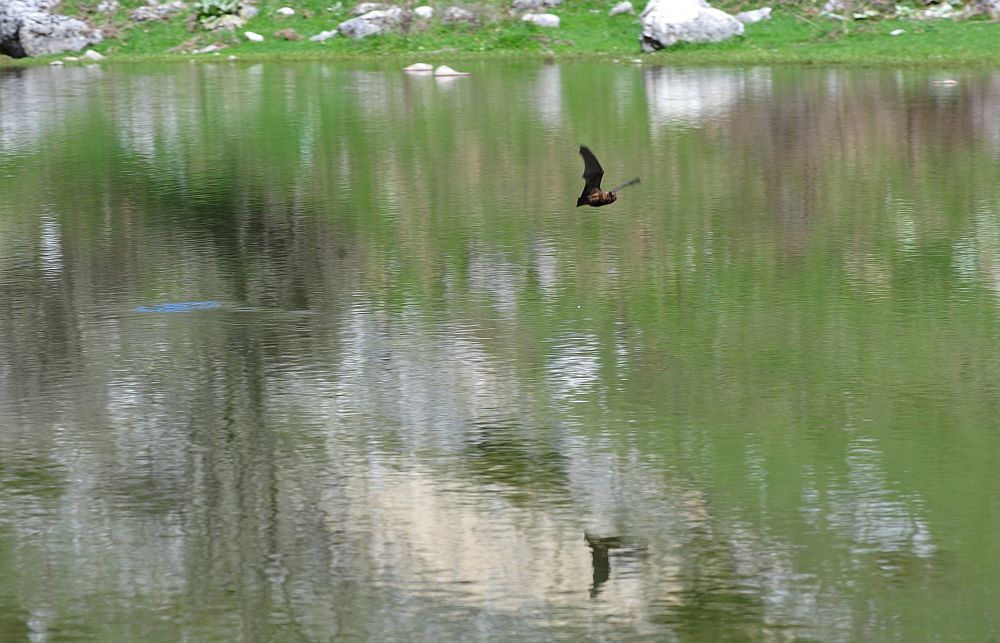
x: 180, y: 307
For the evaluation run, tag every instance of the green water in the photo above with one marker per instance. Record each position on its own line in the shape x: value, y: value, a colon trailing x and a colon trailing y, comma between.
x: 756, y: 399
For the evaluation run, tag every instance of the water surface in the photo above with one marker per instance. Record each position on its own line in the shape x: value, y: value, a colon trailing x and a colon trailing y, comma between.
x: 325, y: 352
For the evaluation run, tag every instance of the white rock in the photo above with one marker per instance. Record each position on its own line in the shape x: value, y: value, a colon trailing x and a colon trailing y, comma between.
x: 107, y: 6
x: 324, y: 35
x: 454, y: 14
x: 667, y: 22
x: 531, y: 5
x: 232, y: 57
x: 750, y: 17
x: 90, y: 54
x: 286, y: 11
x: 253, y: 36
x: 373, y: 23
x: 542, y: 19
x: 424, y: 12
x: 622, y: 7
x: 71, y: 59
x: 367, y: 7
x: 897, y: 32
x: 57, y: 63
x: 445, y: 70
x: 419, y: 68
x: 207, y: 50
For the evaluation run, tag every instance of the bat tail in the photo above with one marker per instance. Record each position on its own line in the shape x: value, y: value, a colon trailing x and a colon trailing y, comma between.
x: 625, y: 185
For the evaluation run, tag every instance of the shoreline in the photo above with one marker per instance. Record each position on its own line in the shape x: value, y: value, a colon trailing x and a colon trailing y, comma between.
x: 786, y: 39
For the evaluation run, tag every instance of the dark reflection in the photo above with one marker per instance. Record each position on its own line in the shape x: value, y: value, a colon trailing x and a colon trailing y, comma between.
x: 504, y: 453
x: 599, y: 548
x: 773, y: 367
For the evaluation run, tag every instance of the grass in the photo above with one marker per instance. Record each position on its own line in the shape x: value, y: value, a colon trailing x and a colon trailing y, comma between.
x: 586, y: 30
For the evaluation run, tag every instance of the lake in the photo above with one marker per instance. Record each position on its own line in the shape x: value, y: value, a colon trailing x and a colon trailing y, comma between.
x: 318, y: 351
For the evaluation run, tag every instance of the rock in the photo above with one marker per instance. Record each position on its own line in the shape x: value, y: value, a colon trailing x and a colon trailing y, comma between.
x: 92, y: 55
x: 542, y: 19
x: 247, y: 11
x: 362, y: 8
x: 533, y: 5
x: 323, y: 36
x: 228, y: 21
x: 750, y: 17
x: 622, y: 7
x: 107, y: 6
x: 424, y: 12
x: 445, y: 70
x: 154, y: 11
x: 207, y: 50
x: 374, y: 23
x: 27, y: 28
x: 419, y: 68
x: 452, y: 15
x: 286, y: 12
x: 253, y: 36
x: 897, y: 32
x: 287, y: 34
x: 667, y: 22
x: 57, y: 63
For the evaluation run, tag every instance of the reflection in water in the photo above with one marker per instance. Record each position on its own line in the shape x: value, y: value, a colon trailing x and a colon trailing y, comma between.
x: 762, y: 389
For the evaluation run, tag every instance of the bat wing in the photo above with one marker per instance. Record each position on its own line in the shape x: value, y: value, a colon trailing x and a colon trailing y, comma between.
x: 592, y: 171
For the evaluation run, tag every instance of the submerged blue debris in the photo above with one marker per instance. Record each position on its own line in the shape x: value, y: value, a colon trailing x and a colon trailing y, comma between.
x: 179, y: 307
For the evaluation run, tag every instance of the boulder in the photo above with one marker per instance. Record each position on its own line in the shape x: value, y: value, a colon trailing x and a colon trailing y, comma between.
x: 533, y: 5
x: 750, y: 17
x: 153, y: 11
x: 445, y: 70
x: 424, y: 12
x: 362, y: 8
x: 27, y: 28
x: 622, y: 7
x: 419, y: 68
x: 542, y: 19
x: 374, y: 23
x: 253, y: 36
x: 667, y: 22
x: 452, y: 15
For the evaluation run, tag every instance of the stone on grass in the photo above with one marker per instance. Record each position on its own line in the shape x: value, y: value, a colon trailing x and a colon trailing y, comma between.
x: 207, y: 50
x: 445, y: 70
x: 750, y: 17
x: 419, y: 68
x: 362, y: 8
x: 285, y: 11
x: 897, y: 32
x: 533, y: 5
x: 323, y: 36
x: 28, y: 28
x: 228, y: 21
x: 374, y: 23
x: 424, y: 12
x: 622, y: 7
x: 452, y: 15
x: 93, y: 56
x: 549, y: 20
x: 253, y: 36
x: 287, y: 34
x: 667, y: 22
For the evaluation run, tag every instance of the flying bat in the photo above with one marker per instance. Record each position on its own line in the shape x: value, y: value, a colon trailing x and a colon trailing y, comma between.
x: 592, y: 194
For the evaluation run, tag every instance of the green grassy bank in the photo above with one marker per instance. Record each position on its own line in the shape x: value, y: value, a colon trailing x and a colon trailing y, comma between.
x: 794, y: 35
